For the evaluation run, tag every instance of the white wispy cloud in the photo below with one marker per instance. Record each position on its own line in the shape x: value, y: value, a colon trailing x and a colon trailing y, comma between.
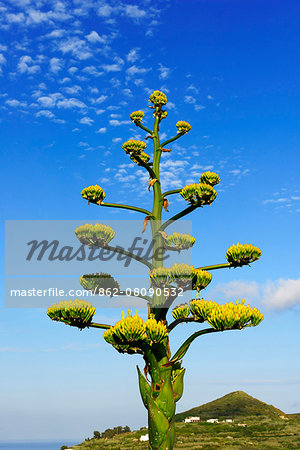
x: 272, y: 294
x: 56, y: 34
x: 27, y: 65
x: 2, y: 61
x: 134, y: 70
x: 239, y: 172
x: 189, y: 99
x: 76, y: 47
x: 193, y: 88
x: 14, y: 103
x: 134, y: 11
x: 164, y: 72
x: 102, y: 130
x: 55, y: 65
x: 73, y: 70
x: 193, y: 101
x: 49, y: 101
x: 94, y: 37
x: 45, y: 113
x: 132, y: 55
x: 116, y: 122
x: 282, y: 293
x: 238, y: 289
x: 99, y: 100
x: 86, y: 120
x: 199, y: 107
x: 15, y: 17
x: 92, y: 70
x: 115, y: 67
x: 70, y: 103
x: 105, y: 10
x: 127, y: 92
x: 72, y: 89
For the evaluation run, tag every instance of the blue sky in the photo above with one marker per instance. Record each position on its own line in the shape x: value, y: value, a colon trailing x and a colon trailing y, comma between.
x: 71, y: 73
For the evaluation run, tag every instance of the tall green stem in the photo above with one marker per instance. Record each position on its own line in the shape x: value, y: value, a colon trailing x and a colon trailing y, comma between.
x: 156, y: 214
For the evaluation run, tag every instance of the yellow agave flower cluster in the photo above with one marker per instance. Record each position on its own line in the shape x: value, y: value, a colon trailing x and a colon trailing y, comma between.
x: 179, y: 241
x: 133, y: 333
x: 95, y: 281
x: 183, y: 127
x: 201, y: 279
x: 183, y: 275
x: 181, y: 311
x: 95, y: 193
x: 220, y: 317
x: 143, y: 156
x: 78, y: 313
x: 134, y: 146
x: 210, y: 178
x: 199, y: 194
x: 234, y: 315
x: 95, y: 235
x: 241, y: 254
x: 137, y: 116
x: 201, y: 309
x: 158, y: 98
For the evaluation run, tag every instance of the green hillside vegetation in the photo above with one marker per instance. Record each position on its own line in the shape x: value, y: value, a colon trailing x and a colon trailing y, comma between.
x: 262, y: 428
x: 232, y: 406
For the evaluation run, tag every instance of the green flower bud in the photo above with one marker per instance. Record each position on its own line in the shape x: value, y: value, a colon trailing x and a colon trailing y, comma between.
x: 78, y: 313
x: 183, y: 127
x: 137, y: 116
x: 239, y: 254
x: 143, y: 156
x: 156, y: 331
x: 181, y: 274
x: 158, y: 98
x: 181, y: 312
x: 162, y: 114
x: 199, y: 194
x: 108, y: 336
x: 95, y: 235
x: 134, y: 146
x: 201, y: 308
x: 95, y: 193
x: 96, y: 281
x: 179, y: 241
x: 201, y: 279
x: 210, y: 178
x: 159, y: 277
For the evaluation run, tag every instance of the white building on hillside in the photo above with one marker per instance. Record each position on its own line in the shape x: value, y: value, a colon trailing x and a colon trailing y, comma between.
x: 192, y: 419
x: 144, y: 438
x: 212, y: 421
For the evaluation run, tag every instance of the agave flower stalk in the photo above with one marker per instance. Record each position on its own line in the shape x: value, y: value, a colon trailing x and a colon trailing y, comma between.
x: 161, y: 385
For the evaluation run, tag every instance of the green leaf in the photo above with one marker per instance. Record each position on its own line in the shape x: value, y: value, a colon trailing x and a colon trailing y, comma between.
x: 165, y: 400
x: 178, y: 385
x: 145, y: 389
x: 158, y: 424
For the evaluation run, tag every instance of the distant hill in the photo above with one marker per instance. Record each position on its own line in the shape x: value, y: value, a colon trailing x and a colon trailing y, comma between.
x: 232, y: 406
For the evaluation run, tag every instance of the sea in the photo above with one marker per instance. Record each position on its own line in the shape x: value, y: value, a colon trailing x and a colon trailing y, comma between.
x: 49, y: 445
